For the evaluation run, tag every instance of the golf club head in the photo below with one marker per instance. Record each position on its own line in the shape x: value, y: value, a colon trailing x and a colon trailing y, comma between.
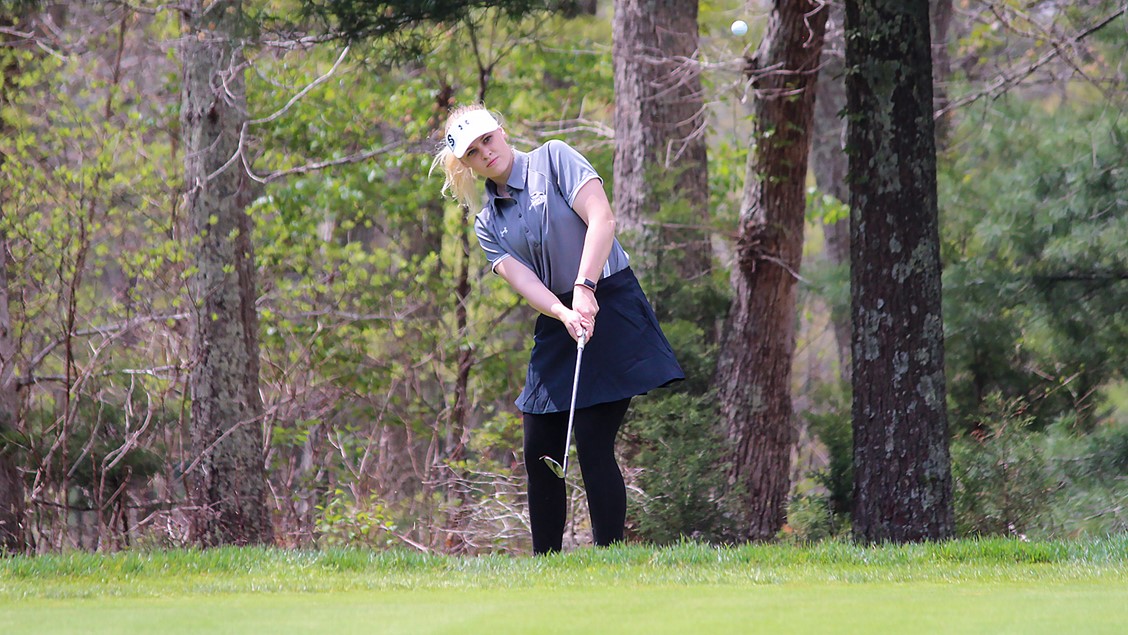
x: 556, y: 468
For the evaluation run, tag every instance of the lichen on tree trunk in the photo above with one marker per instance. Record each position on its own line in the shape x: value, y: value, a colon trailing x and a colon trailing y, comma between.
x: 902, y: 475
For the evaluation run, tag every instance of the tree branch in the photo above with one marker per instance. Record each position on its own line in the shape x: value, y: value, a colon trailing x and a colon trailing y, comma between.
x: 1008, y: 80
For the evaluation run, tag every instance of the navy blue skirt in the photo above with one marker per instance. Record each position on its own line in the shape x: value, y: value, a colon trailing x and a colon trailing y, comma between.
x: 627, y: 356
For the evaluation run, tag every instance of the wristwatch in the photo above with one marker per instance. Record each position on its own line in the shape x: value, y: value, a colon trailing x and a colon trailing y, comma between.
x: 586, y: 282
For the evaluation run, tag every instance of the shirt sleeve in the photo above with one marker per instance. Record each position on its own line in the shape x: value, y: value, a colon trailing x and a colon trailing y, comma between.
x: 489, y: 243
x: 571, y: 168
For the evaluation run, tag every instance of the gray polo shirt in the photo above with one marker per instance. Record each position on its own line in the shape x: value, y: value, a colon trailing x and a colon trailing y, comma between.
x: 536, y: 223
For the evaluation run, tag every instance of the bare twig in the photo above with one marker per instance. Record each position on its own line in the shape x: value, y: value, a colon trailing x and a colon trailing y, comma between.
x: 23, y: 35
x: 358, y: 157
x: 302, y: 93
x: 1007, y: 81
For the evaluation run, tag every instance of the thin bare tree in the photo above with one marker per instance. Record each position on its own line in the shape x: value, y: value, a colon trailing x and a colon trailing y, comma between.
x: 12, y: 491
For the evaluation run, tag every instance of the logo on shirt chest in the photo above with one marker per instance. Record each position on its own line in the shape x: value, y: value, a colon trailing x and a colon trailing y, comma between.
x: 504, y: 231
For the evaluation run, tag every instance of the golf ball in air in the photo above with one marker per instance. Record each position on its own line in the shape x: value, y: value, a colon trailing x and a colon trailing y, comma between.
x: 740, y: 27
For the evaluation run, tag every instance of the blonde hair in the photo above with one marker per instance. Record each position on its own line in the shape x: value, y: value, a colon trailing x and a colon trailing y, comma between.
x: 460, y: 181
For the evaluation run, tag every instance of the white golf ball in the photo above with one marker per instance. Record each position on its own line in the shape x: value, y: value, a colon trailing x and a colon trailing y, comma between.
x: 740, y: 27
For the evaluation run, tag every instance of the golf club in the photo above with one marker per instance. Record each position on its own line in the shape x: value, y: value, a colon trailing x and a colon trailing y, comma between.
x: 558, y: 469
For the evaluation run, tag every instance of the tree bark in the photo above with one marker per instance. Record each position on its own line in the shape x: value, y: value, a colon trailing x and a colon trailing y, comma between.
x: 660, y: 150
x: 902, y: 475
x: 228, y: 486
x: 941, y: 13
x: 12, y: 508
x: 829, y: 165
x: 11, y: 485
x: 828, y: 149
x: 754, y: 367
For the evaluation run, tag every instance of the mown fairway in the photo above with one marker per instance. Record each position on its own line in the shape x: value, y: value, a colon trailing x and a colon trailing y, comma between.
x: 961, y: 587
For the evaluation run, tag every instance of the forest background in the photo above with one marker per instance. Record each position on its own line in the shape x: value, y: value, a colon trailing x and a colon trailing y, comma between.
x: 388, y: 357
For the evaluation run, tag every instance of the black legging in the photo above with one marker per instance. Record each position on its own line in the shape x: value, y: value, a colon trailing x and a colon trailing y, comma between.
x: 594, y: 431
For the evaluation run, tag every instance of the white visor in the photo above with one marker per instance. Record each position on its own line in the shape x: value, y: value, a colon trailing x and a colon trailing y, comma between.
x: 468, y: 127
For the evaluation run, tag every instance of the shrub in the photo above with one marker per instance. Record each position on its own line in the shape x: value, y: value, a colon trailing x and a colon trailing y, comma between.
x: 1092, y: 471
x: 1000, y: 472
x: 811, y: 518
x: 344, y: 521
x: 682, y: 456
x: 832, y: 426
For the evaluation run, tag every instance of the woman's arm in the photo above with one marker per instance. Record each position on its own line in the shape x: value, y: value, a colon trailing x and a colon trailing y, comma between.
x: 592, y: 206
x: 526, y: 283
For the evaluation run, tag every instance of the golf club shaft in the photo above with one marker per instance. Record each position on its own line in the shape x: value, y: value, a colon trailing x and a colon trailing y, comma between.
x: 572, y: 408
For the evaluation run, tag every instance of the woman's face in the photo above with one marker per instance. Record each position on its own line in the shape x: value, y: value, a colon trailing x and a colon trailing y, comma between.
x: 490, y: 156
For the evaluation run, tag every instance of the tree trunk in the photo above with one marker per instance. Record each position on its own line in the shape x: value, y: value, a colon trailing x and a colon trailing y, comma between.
x: 828, y: 162
x: 754, y: 368
x: 660, y: 150
x: 941, y: 13
x: 11, y: 485
x: 828, y: 148
x: 902, y: 475
x: 228, y: 486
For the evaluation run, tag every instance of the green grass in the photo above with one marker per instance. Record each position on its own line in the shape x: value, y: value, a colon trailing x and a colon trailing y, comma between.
x: 990, y: 586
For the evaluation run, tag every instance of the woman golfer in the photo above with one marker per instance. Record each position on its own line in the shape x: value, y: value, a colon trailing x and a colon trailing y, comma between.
x: 548, y: 230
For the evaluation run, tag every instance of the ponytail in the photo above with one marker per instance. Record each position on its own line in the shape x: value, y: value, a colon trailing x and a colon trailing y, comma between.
x: 460, y: 181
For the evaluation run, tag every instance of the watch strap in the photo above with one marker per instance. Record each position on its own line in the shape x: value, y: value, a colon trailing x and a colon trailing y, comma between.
x: 586, y: 282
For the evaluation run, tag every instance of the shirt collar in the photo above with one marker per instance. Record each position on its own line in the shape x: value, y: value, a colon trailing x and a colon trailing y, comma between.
x: 518, y: 176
